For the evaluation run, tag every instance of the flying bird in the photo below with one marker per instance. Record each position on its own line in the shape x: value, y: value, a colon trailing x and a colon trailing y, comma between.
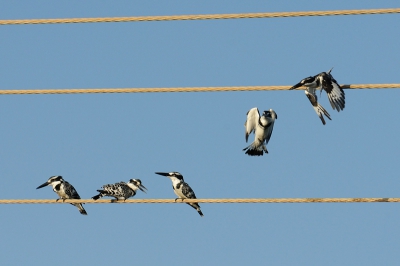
x: 121, y: 190
x: 64, y: 190
x: 323, y: 81
x: 182, y: 189
x: 262, y: 127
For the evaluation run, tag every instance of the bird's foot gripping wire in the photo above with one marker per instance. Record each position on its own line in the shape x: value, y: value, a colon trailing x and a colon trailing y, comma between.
x: 179, y: 198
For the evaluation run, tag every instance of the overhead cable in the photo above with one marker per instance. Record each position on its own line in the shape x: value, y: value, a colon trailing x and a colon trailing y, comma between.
x: 238, y: 200
x: 186, y: 89
x: 202, y: 17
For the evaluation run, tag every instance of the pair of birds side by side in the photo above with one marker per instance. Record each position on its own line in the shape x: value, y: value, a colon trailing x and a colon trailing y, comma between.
x: 263, y: 125
x: 121, y: 190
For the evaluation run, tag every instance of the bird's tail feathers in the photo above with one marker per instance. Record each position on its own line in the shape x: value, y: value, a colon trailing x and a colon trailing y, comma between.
x: 100, y: 195
x: 196, y: 206
x: 254, y: 150
x: 80, y: 208
x: 320, y: 112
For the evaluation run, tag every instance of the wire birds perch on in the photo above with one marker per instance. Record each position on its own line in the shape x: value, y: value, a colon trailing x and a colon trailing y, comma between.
x: 64, y: 190
x: 121, y: 190
x: 262, y: 127
x: 323, y: 81
x: 182, y: 189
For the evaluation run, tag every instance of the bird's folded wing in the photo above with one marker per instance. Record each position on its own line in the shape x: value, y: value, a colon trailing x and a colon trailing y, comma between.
x: 71, y: 191
x: 188, y: 191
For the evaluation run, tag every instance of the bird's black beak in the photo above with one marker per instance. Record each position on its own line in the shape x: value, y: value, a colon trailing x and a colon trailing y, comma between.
x: 43, y: 185
x: 296, y: 86
x: 141, y: 187
x: 164, y: 174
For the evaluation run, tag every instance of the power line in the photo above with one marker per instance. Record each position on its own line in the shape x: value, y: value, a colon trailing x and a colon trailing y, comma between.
x: 243, y: 200
x: 203, y: 17
x: 186, y: 89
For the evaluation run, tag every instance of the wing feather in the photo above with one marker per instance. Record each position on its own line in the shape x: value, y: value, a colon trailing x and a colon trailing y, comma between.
x: 251, y: 122
x: 335, y: 93
x: 71, y: 191
x: 269, y: 129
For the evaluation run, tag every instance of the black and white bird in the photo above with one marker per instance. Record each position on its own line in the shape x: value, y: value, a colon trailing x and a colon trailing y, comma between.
x: 323, y: 81
x: 182, y: 189
x: 64, y: 190
x: 121, y: 190
x: 262, y: 127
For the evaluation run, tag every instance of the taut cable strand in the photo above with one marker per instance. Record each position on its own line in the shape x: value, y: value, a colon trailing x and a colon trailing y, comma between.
x: 203, y: 17
x: 187, y: 89
x: 249, y: 200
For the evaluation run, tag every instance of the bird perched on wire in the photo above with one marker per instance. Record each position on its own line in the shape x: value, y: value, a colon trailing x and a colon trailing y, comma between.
x: 182, y: 189
x: 323, y: 81
x: 64, y: 190
x: 121, y: 190
x: 262, y: 127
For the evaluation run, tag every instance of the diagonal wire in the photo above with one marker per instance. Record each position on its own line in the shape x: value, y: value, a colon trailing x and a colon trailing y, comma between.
x: 203, y: 17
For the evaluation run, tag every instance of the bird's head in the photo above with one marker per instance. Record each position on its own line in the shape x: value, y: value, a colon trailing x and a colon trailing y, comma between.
x: 303, y: 82
x: 172, y: 175
x: 54, y: 180
x: 136, y: 184
x: 273, y: 114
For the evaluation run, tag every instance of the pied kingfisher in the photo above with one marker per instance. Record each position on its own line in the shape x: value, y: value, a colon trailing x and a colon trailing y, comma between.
x: 64, y: 190
x: 323, y: 81
x: 262, y: 127
x: 121, y: 190
x: 182, y: 189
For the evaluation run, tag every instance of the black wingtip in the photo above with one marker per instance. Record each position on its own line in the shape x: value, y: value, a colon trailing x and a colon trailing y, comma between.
x: 83, y: 211
x: 201, y: 214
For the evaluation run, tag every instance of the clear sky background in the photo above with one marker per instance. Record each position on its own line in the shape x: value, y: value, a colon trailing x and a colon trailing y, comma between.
x: 93, y: 140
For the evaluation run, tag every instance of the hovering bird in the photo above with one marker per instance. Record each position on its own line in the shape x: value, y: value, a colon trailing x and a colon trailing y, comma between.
x: 121, y: 190
x: 64, y: 190
x: 323, y: 81
x: 182, y: 189
x: 262, y: 127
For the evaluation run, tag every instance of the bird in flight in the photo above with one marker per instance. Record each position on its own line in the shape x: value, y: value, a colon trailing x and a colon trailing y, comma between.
x: 262, y: 127
x: 323, y: 81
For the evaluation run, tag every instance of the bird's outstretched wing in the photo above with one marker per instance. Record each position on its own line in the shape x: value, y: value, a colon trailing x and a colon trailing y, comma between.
x: 71, y: 191
x: 188, y: 191
x: 317, y: 107
x: 251, y: 122
x: 335, y: 92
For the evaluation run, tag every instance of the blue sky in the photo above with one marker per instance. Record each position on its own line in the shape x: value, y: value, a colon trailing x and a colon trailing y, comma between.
x: 92, y: 140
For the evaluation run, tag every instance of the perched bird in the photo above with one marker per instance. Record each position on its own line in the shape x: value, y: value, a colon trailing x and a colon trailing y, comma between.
x: 262, y: 127
x: 121, y: 190
x: 64, y: 190
x: 323, y: 81
x: 182, y: 189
